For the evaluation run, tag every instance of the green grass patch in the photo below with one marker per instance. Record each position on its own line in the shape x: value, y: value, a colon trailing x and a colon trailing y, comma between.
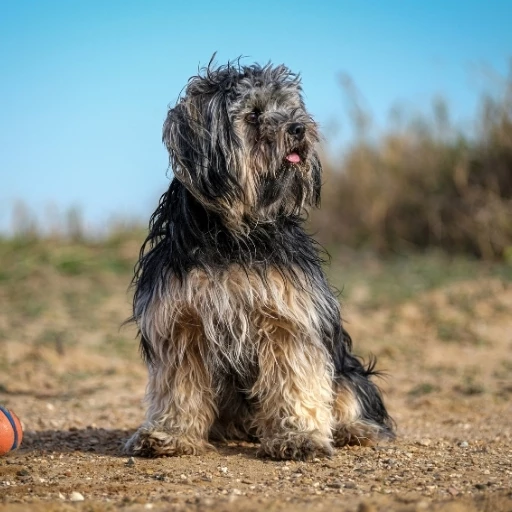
x: 392, y: 280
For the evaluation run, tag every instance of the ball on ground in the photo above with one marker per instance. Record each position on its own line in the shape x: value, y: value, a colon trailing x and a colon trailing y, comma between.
x: 11, y: 432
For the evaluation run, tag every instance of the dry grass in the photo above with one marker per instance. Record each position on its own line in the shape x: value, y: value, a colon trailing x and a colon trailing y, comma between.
x: 423, y: 184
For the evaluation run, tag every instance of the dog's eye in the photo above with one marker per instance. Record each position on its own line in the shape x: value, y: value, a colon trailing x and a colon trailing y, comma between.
x: 252, y: 117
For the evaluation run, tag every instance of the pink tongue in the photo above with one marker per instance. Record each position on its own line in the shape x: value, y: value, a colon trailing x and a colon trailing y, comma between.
x: 293, y: 158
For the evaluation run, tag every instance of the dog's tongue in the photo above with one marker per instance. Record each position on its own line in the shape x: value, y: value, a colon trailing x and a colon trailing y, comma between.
x: 293, y: 158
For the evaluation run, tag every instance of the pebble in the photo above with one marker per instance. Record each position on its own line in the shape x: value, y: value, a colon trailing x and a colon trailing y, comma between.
x: 463, y: 444
x: 130, y: 462
x: 76, y: 496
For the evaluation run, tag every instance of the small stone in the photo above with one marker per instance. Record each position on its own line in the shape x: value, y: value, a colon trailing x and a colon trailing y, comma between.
x: 425, y: 442
x: 463, y: 444
x: 453, y: 491
x: 130, y: 462
x: 350, y: 485
x: 76, y: 496
x: 335, y: 485
x: 61, y: 496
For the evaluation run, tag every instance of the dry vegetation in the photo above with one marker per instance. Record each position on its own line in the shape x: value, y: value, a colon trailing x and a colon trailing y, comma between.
x: 425, y: 183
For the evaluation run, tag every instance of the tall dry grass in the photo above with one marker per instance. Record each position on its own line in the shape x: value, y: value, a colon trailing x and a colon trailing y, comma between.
x: 424, y: 184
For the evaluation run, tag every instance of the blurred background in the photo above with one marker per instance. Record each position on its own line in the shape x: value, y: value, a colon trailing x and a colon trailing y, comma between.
x: 414, y: 100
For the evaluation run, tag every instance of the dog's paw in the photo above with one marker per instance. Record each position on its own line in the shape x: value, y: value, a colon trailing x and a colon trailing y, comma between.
x: 158, y: 443
x: 361, y: 433
x: 296, y: 446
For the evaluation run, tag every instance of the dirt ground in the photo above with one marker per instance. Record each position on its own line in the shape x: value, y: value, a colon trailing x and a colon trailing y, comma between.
x: 76, y: 382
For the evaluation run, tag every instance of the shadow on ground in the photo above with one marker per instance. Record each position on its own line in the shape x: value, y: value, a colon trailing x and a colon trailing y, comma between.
x: 103, y: 441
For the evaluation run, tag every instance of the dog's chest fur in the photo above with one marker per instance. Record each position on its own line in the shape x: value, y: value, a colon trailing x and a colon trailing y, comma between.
x: 229, y: 312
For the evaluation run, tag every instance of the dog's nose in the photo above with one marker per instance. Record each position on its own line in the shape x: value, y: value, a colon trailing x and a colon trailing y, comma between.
x: 297, y: 130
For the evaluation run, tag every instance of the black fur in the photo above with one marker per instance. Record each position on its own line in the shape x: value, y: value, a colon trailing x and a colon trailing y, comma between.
x: 210, y: 218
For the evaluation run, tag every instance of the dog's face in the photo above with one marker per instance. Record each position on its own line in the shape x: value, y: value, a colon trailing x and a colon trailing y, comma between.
x: 242, y: 142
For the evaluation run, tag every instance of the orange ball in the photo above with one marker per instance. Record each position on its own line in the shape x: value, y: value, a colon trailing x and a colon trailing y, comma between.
x: 11, y: 432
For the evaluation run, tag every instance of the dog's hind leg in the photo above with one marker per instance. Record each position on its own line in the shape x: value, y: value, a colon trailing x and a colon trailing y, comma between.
x: 359, y: 413
x: 181, y: 405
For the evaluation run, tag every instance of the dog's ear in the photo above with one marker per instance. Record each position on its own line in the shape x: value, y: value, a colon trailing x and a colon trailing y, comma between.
x: 202, y: 145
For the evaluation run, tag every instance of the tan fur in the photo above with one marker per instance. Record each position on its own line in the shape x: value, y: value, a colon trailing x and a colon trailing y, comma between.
x: 349, y: 428
x: 235, y: 320
x: 179, y: 395
x: 254, y: 348
x: 293, y: 392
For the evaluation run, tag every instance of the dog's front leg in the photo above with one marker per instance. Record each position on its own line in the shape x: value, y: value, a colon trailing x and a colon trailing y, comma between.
x: 181, y: 407
x: 293, y: 395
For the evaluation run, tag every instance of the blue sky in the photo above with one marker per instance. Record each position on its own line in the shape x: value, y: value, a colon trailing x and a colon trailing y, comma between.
x: 85, y: 85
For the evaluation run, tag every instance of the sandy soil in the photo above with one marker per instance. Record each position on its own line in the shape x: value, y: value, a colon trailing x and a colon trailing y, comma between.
x: 77, y: 383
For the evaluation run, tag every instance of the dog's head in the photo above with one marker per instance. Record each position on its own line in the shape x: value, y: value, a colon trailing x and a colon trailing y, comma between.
x: 241, y: 141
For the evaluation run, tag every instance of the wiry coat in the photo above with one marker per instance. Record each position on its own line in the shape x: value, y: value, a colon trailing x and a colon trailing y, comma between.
x: 239, y: 327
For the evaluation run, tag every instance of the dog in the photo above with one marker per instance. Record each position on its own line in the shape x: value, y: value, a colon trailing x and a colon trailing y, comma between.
x: 240, y: 330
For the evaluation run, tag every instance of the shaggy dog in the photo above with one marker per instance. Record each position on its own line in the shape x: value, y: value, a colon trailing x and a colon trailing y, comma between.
x: 239, y: 328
